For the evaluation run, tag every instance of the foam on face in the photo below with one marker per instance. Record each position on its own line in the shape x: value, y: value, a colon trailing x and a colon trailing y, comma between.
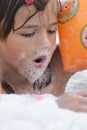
x: 29, y: 70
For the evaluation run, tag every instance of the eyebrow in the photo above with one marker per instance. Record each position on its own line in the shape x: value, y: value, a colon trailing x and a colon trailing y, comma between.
x: 33, y: 26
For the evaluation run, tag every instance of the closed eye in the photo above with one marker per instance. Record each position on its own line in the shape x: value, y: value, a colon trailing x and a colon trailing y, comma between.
x: 28, y: 34
x: 52, y: 31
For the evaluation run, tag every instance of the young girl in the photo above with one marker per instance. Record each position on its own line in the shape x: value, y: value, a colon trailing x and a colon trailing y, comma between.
x: 30, y: 62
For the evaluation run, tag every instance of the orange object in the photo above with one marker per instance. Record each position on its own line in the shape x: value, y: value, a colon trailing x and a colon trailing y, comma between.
x: 73, y: 34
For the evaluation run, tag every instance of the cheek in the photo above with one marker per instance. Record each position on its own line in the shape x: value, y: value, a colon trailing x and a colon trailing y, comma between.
x: 53, y: 39
x: 53, y: 42
x: 16, y: 58
x: 19, y: 55
x: 22, y: 58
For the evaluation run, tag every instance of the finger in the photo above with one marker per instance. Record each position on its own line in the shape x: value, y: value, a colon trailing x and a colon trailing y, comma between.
x: 82, y: 93
x: 82, y: 108
x: 82, y: 100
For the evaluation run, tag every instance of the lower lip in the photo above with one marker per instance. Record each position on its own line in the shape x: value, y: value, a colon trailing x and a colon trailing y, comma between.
x: 39, y: 65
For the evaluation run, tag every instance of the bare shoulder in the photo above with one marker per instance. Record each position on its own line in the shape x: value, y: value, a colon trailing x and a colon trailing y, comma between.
x: 56, y: 62
x: 60, y: 77
x: 57, y: 65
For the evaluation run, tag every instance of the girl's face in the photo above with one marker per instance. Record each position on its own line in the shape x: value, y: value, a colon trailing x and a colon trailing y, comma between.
x: 29, y: 49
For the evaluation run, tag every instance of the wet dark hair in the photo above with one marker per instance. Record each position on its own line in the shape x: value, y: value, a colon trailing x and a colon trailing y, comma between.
x: 8, y: 10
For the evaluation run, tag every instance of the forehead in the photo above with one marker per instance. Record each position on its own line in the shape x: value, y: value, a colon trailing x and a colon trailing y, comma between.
x: 49, y: 14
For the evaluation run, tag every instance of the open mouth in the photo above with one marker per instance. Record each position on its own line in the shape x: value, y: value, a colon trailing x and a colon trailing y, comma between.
x: 39, y: 62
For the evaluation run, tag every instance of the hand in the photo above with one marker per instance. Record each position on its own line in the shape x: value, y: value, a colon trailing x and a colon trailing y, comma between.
x: 76, y: 101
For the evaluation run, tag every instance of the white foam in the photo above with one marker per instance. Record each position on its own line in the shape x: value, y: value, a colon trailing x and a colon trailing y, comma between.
x: 25, y: 112
x: 30, y: 71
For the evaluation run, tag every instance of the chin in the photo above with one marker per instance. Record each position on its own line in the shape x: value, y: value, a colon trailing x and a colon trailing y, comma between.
x: 31, y: 72
x: 36, y: 75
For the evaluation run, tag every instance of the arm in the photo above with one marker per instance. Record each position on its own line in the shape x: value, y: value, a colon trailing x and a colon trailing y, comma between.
x: 76, y: 101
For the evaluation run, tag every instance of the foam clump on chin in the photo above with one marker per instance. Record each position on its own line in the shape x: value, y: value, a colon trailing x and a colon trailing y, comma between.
x: 32, y: 112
